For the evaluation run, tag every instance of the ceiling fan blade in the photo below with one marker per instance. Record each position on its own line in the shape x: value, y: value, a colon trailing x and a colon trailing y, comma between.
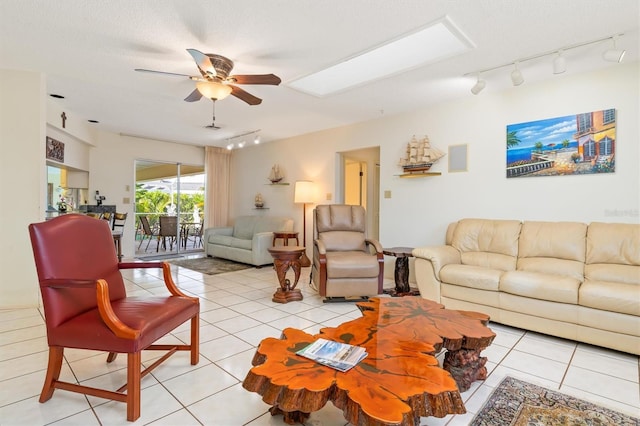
x: 256, y: 79
x: 245, y: 96
x: 164, y: 72
x: 194, y: 96
x: 204, y: 63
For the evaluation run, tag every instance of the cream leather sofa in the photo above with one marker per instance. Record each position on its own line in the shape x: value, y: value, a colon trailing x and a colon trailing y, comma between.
x: 247, y: 240
x: 566, y: 279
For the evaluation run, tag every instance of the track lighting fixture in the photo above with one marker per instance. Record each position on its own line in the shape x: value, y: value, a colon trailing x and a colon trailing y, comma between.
x: 480, y: 84
x: 559, y: 62
x: 242, y: 143
x: 614, y: 55
x: 516, y: 75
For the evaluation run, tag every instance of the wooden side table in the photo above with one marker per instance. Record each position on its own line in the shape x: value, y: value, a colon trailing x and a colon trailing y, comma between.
x: 401, y: 273
x: 285, y: 257
x: 284, y: 236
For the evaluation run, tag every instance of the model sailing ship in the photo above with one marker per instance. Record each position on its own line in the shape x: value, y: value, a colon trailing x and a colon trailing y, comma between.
x: 420, y: 156
x: 275, y: 176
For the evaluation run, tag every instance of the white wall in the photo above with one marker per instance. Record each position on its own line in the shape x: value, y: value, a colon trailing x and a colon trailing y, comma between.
x: 420, y: 209
x: 22, y: 182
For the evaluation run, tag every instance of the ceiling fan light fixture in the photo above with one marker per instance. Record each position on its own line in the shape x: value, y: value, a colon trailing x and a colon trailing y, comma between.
x: 256, y: 140
x: 213, y: 89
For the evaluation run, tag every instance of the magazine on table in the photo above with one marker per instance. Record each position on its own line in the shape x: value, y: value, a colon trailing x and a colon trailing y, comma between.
x: 340, y: 356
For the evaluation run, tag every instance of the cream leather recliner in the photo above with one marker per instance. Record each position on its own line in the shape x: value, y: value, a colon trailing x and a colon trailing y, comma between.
x: 346, y: 264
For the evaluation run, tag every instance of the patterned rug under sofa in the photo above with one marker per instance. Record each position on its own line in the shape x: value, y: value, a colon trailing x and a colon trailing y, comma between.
x: 518, y: 403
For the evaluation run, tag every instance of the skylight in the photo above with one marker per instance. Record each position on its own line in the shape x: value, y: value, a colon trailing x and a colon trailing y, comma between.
x: 437, y: 41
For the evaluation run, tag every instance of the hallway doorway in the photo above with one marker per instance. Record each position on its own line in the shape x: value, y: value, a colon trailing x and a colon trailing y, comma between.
x: 360, y: 183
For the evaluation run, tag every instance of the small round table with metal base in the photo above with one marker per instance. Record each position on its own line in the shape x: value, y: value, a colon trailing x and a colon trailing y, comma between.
x: 285, y: 257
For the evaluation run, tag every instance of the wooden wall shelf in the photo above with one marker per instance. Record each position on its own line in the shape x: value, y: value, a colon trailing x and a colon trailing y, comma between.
x: 277, y: 183
x: 419, y: 174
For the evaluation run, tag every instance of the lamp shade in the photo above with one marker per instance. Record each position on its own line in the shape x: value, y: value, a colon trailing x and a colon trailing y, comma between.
x: 213, y: 89
x: 304, y: 192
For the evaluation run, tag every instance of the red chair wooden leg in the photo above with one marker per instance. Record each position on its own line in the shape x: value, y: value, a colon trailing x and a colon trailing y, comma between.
x: 195, y: 339
x: 133, y: 386
x: 53, y: 372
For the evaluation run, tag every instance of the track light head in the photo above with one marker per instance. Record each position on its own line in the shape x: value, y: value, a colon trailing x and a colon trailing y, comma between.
x: 516, y: 76
x: 614, y: 55
x: 479, y: 86
x: 559, y: 64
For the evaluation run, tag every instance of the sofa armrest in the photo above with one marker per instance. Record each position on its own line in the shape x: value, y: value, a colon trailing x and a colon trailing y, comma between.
x: 223, y: 230
x: 438, y: 256
x: 429, y: 261
x: 260, y: 242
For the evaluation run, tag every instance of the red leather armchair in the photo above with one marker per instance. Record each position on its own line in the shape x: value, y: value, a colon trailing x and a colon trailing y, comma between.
x: 86, y: 305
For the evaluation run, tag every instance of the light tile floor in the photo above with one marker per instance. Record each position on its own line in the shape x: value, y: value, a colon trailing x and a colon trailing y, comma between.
x: 237, y: 313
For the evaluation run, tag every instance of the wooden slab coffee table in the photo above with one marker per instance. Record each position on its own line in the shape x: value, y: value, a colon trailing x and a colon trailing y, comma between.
x: 399, y: 381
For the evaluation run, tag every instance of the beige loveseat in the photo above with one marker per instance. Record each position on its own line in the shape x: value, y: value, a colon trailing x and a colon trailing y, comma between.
x: 566, y: 279
x: 247, y: 240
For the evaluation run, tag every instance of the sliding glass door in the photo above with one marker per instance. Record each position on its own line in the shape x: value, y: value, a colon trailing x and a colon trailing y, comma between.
x: 169, y: 206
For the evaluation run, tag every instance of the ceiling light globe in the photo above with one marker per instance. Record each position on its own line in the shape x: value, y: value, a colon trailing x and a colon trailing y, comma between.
x: 213, y: 89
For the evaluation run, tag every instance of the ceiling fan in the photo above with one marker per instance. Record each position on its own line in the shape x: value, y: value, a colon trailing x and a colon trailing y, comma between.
x: 215, y: 82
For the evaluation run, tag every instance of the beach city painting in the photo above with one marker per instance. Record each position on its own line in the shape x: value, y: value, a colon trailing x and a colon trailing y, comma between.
x: 570, y: 145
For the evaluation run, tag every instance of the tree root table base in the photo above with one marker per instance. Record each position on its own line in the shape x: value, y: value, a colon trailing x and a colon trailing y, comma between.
x: 400, y: 379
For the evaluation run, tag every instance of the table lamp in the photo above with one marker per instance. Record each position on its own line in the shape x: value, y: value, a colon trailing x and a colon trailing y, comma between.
x: 303, y: 193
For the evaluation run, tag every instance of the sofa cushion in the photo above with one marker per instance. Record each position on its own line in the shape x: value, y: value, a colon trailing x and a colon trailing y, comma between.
x: 243, y: 227
x: 221, y: 240
x: 611, y: 296
x: 487, y: 243
x: 613, y: 243
x: 536, y: 285
x: 241, y: 243
x: 355, y: 264
x: 471, y: 276
x: 555, y: 248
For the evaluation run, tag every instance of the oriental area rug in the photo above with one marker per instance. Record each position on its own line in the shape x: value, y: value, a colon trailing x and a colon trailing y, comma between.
x: 518, y: 403
x: 210, y: 265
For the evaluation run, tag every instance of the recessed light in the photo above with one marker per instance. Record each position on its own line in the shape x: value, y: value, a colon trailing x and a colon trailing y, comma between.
x: 437, y: 41
x: 53, y: 95
x: 93, y: 121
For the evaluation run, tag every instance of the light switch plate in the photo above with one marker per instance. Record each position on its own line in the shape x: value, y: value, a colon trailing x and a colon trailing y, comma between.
x: 126, y: 200
x: 387, y: 194
x: 329, y: 196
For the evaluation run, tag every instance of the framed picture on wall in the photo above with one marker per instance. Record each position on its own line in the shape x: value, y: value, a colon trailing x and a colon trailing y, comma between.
x: 458, y: 158
x: 571, y: 145
x: 55, y: 150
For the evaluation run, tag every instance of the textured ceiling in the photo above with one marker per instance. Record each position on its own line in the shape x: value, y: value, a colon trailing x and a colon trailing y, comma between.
x: 88, y: 50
